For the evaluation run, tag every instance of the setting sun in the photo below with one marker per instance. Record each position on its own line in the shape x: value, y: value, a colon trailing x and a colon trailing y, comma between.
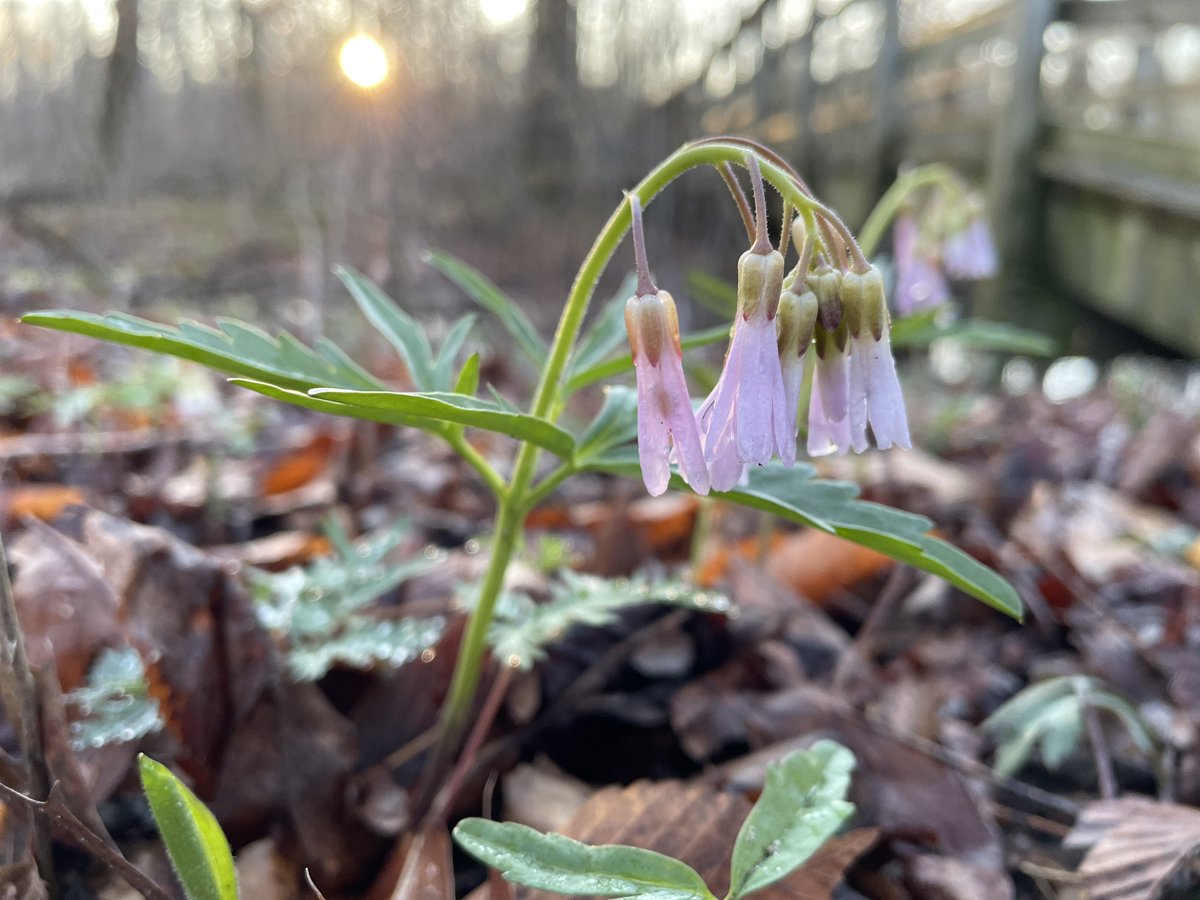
x: 364, y: 61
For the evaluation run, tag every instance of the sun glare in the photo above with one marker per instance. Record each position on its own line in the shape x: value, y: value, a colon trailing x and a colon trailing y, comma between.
x: 502, y: 12
x: 364, y: 61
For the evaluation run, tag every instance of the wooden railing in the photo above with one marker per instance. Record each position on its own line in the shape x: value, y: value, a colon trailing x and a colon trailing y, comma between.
x: 1081, y: 118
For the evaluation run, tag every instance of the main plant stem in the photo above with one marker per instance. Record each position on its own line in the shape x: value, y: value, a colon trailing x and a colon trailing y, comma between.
x: 516, y: 498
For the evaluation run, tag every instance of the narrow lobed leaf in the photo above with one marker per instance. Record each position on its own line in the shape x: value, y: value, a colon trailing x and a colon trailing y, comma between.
x: 401, y: 330
x: 483, y: 291
x: 236, y: 348
x: 460, y: 410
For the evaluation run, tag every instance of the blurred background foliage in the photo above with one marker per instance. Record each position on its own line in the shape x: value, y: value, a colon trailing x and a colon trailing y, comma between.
x: 218, y: 155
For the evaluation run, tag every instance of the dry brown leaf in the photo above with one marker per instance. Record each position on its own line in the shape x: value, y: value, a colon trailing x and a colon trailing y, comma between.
x: 277, y: 551
x: 68, y: 608
x: 697, y: 824
x: 39, y: 501
x: 813, y: 563
x: 1139, y: 848
x: 427, y: 872
x: 298, y: 467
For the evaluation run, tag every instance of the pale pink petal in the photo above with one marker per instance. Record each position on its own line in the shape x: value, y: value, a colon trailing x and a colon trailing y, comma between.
x: 682, y: 424
x: 825, y: 435
x: 756, y: 385
x: 857, y: 409
x: 791, y: 376
x: 833, y: 381
x: 654, y: 439
x: 889, y: 419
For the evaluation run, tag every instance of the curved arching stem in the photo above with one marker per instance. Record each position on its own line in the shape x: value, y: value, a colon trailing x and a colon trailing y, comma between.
x: 893, y: 200
x: 513, y: 503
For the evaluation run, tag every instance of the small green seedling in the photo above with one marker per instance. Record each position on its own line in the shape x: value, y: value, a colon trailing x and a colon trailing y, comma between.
x: 802, y: 805
x: 1049, y: 716
x: 198, y: 849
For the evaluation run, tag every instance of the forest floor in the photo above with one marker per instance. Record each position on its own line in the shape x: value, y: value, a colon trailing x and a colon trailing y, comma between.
x: 271, y: 600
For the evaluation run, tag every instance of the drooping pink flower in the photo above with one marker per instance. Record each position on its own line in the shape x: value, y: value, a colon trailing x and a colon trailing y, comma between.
x: 665, y: 417
x: 828, y: 433
x: 920, y: 283
x: 745, y: 420
x: 969, y: 253
x: 796, y: 320
x: 874, y: 393
x: 855, y: 382
x: 664, y: 405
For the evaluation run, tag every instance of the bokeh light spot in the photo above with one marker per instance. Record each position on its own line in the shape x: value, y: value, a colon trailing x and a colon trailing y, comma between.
x: 364, y: 61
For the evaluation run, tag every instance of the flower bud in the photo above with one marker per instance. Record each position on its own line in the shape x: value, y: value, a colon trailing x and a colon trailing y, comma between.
x: 826, y: 283
x: 651, y: 321
x: 760, y: 281
x: 864, y: 304
x: 797, y: 319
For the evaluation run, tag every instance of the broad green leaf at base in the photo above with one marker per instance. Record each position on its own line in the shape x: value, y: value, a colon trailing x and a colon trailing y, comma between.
x: 197, y: 846
x: 796, y: 495
x: 802, y: 805
x: 552, y: 862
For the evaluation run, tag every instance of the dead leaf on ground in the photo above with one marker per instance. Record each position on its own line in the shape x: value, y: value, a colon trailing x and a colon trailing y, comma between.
x: 427, y: 872
x: 1139, y: 849
x: 813, y: 563
x: 697, y: 824
x: 68, y: 608
x: 38, y: 501
x: 298, y: 467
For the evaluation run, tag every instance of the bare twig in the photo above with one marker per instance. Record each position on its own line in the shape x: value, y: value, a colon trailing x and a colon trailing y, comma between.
x: 1100, y: 755
x: 55, y: 809
x: 19, y: 695
x: 860, y: 651
x: 316, y: 890
x: 483, y: 725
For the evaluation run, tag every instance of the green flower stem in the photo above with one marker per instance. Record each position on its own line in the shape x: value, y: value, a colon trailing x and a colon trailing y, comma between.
x: 459, y: 443
x: 547, y: 404
x: 892, y: 201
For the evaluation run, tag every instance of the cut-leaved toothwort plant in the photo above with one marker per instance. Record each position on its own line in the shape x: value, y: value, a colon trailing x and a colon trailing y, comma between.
x: 824, y: 312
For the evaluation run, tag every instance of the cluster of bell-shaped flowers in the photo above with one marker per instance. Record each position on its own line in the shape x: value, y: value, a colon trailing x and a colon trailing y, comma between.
x: 947, y: 240
x: 751, y: 414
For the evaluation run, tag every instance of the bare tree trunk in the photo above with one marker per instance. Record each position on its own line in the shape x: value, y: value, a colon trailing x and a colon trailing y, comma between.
x: 552, y: 94
x: 122, y: 79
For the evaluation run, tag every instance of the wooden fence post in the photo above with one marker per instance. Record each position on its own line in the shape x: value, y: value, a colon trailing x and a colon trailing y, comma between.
x: 885, y: 101
x: 1015, y: 199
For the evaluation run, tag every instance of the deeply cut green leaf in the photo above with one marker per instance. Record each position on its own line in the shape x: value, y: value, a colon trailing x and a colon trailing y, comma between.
x: 523, y: 628
x: 401, y: 330
x: 802, y: 805
x: 197, y: 846
x: 386, y: 416
x: 483, y: 291
x: 321, y: 610
x: 795, y: 495
x: 458, y: 409
x: 115, y: 702
x: 552, y: 862
x: 236, y: 348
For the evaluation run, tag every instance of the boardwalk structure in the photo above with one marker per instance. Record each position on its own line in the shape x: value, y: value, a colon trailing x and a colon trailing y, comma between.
x: 1080, y: 117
